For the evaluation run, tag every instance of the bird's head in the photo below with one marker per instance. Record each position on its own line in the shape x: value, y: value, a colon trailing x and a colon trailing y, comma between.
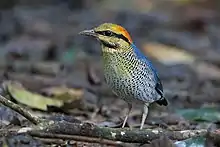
x: 111, y: 36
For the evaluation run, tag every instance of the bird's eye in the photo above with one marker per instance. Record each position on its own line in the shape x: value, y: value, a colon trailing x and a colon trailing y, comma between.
x: 108, y: 33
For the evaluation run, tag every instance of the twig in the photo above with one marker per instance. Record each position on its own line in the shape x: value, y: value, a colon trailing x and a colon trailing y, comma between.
x: 92, y: 131
x: 35, y: 120
x: 75, y: 138
x: 116, y: 134
x: 51, y: 141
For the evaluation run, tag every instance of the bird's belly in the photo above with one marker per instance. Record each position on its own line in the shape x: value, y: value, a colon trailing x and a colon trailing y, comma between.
x: 131, y: 88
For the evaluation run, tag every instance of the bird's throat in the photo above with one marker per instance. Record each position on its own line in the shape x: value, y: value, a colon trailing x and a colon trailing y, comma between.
x: 116, y: 62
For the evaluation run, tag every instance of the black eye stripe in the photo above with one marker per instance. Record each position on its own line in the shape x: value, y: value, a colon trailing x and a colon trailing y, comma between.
x: 122, y: 37
x: 110, y: 33
x: 105, y: 33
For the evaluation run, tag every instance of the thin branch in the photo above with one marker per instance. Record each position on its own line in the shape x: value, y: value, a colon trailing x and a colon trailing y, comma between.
x: 75, y: 138
x: 115, y: 134
x: 93, y: 131
x: 35, y: 120
x: 51, y: 141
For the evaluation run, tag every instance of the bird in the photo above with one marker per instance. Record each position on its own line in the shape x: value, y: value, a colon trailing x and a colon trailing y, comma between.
x: 127, y: 70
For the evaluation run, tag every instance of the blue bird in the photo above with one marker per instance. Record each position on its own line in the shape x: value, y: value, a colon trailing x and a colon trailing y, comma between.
x: 128, y: 72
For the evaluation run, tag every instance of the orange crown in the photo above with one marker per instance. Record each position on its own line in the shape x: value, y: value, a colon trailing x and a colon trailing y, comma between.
x: 122, y: 31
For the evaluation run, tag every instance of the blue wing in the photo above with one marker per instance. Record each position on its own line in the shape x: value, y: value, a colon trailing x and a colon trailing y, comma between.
x: 142, y: 57
x: 159, y: 86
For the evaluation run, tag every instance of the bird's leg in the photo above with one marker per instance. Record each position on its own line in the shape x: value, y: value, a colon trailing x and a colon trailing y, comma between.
x: 144, y: 116
x: 126, y: 117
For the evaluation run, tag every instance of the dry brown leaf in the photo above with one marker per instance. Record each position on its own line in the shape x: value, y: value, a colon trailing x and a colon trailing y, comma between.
x: 167, y: 54
x: 33, y: 100
x: 171, y: 55
x: 59, y: 97
x: 64, y: 93
x: 72, y: 97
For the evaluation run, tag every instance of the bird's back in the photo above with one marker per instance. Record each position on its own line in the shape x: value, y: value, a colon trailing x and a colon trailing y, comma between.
x: 129, y: 77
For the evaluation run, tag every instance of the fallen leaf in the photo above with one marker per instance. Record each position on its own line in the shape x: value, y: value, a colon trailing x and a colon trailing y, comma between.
x: 59, y: 97
x: 72, y: 97
x: 33, y: 100
x: 64, y: 93
x: 208, y: 114
x: 173, y: 56
x: 167, y: 54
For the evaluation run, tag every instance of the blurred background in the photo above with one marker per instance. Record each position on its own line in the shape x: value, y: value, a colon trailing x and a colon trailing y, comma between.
x: 41, y: 50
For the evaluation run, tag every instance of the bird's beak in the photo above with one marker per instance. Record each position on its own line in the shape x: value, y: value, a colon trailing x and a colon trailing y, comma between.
x: 88, y: 33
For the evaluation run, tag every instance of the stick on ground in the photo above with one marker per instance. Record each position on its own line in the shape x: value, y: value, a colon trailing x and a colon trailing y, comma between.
x: 89, y: 130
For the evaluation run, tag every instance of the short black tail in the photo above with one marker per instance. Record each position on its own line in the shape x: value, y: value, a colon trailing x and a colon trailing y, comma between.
x: 162, y: 101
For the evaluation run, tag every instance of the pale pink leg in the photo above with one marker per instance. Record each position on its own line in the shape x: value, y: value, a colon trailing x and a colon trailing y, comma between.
x: 144, y: 116
x: 126, y: 117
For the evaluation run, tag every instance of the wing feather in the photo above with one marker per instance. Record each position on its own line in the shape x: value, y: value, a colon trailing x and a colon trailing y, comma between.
x: 158, y: 86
